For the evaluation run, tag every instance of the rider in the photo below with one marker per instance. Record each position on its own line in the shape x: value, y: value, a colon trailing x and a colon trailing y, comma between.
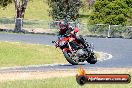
x: 65, y: 30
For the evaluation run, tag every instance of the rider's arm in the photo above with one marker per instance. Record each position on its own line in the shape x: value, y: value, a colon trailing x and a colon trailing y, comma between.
x: 69, y: 31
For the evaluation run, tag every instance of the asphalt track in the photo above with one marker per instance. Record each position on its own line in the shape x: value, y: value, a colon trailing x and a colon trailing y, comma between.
x: 120, y: 49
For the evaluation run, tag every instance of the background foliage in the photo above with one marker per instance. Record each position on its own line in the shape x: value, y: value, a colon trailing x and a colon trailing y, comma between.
x: 114, y: 12
x: 4, y: 3
x: 61, y: 8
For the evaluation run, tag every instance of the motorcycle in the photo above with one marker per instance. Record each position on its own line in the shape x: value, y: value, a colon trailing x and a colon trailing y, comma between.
x: 75, y: 52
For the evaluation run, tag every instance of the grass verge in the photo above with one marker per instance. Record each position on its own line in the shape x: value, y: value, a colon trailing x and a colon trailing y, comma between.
x: 19, y: 54
x: 22, y: 54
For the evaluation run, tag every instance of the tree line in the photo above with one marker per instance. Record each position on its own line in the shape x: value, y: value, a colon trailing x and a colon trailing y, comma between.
x: 113, y: 12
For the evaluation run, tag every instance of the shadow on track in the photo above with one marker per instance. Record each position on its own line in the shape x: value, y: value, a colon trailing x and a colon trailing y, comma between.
x: 72, y: 65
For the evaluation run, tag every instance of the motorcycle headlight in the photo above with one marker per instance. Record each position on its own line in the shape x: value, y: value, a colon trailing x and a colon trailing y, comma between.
x: 62, y: 43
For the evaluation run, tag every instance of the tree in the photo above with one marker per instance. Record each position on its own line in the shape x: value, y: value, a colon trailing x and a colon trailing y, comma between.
x: 20, y: 7
x: 114, y: 12
x: 90, y: 3
x: 61, y: 8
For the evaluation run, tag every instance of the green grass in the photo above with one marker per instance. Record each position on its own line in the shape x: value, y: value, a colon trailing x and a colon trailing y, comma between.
x: 19, y: 54
x: 22, y: 54
x: 64, y: 82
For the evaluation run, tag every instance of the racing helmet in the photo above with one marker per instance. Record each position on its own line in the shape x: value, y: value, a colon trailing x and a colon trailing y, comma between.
x: 63, y: 24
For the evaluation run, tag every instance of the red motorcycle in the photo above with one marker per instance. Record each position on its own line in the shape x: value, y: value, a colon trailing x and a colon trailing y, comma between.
x: 75, y: 52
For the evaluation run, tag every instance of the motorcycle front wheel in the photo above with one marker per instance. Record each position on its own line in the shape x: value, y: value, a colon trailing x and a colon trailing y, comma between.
x: 70, y: 58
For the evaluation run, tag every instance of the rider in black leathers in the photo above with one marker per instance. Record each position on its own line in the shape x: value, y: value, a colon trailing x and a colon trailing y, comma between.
x: 65, y: 30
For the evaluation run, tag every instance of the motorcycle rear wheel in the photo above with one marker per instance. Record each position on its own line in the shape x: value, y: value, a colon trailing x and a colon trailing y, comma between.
x: 69, y: 59
x: 92, y: 59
